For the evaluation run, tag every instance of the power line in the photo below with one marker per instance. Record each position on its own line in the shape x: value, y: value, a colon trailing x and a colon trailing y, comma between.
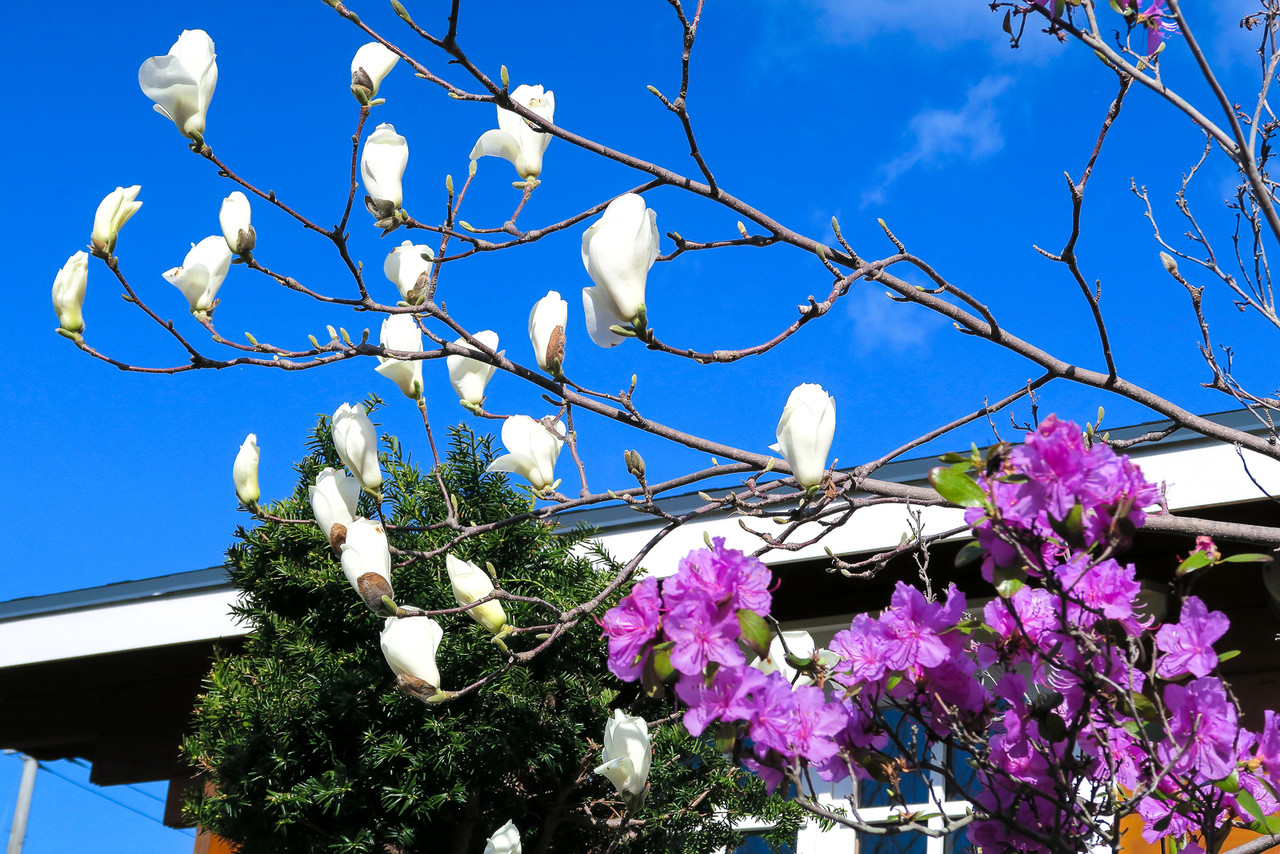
x: 94, y: 791
x: 142, y: 792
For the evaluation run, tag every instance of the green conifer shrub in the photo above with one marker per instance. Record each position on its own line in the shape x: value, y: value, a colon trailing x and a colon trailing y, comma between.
x: 308, y: 747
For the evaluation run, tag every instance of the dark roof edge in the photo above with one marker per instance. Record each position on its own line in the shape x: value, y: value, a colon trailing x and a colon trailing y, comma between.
x: 164, y: 586
x: 915, y: 470
x: 603, y: 519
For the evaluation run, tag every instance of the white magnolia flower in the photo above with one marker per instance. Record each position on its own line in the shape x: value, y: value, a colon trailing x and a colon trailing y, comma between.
x: 374, y: 61
x: 805, y: 432
x: 382, y: 163
x: 357, y: 444
x: 469, y: 376
x: 334, y: 499
x: 68, y: 292
x: 234, y: 219
x: 202, y: 272
x: 532, y: 450
x: 802, y: 646
x: 618, y: 252
x: 505, y: 840
x: 366, y: 561
x: 409, y: 645
x: 469, y: 583
x: 627, y: 754
x: 405, y: 266
x: 547, y: 324
x: 515, y: 139
x: 401, y: 332
x: 245, y: 473
x: 182, y: 82
x: 113, y: 212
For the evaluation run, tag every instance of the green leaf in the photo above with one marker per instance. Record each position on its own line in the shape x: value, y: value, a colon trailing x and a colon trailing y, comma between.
x: 1227, y: 656
x: 969, y: 553
x: 1008, y: 580
x: 1246, y: 800
x: 1247, y: 558
x: 755, y: 631
x: 957, y: 487
x: 1231, y: 785
x: 1194, y: 561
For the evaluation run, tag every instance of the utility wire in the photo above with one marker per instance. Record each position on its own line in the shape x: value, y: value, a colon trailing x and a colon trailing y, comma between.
x: 93, y: 791
x: 142, y: 792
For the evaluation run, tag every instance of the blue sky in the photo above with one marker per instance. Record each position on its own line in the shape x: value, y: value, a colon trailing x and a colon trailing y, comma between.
x: 915, y: 111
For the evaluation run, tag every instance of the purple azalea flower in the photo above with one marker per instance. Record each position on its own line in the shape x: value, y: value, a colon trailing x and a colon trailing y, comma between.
x: 725, y: 699
x: 1103, y: 590
x: 1202, y: 730
x: 1188, y: 646
x: 1155, y: 811
x: 702, y: 633
x: 1268, y: 748
x: 862, y: 649
x: 727, y: 577
x: 913, y: 628
x: 772, y: 710
x: 815, y: 724
x: 1159, y: 24
x: 630, y: 626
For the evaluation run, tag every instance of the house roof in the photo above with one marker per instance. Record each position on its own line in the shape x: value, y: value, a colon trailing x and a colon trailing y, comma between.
x: 76, y: 666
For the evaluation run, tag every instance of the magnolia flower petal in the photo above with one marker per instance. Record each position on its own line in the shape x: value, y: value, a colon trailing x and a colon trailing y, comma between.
x: 505, y: 840
x: 68, y: 292
x: 600, y: 315
x: 497, y: 143
x: 409, y: 645
x: 377, y: 61
x: 245, y: 472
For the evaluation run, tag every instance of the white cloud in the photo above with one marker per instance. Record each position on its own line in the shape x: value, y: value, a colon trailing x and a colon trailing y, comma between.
x: 936, y: 22
x: 880, y: 322
x: 970, y: 132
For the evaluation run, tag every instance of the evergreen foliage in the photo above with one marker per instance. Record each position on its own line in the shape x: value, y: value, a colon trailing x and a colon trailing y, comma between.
x: 309, y: 747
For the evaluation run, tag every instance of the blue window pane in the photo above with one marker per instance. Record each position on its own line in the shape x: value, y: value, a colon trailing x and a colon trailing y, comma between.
x: 755, y: 844
x: 966, y: 778
x: 902, y: 843
x: 914, y: 788
x: 958, y: 842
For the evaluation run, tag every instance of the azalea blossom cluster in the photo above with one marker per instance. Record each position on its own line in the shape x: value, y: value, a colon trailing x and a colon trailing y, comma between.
x: 1071, y: 710
x: 1153, y: 19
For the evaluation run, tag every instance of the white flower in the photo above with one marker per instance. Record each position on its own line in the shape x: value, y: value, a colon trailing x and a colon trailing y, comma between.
x: 469, y: 376
x: 627, y: 754
x: 334, y: 499
x: 113, y: 212
x: 516, y: 140
x: 532, y: 450
x: 805, y: 432
x: 202, y: 272
x: 366, y: 561
x: 234, y: 219
x: 801, y: 646
x: 505, y: 840
x: 547, y: 324
x: 68, y: 292
x: 245, y: 473
x: 401, y: 332
x: 375, y: 60
x: 181, y: 82
x: 357, y: 444
x: 405, y: 266
x: 409, y: 645
x: 618, y: 252
x: 470, y: 583
x: 382, y: 163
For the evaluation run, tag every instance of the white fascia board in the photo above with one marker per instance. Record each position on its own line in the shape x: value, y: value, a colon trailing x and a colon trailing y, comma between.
x: 117, y: 628
x: 1197, y: 476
